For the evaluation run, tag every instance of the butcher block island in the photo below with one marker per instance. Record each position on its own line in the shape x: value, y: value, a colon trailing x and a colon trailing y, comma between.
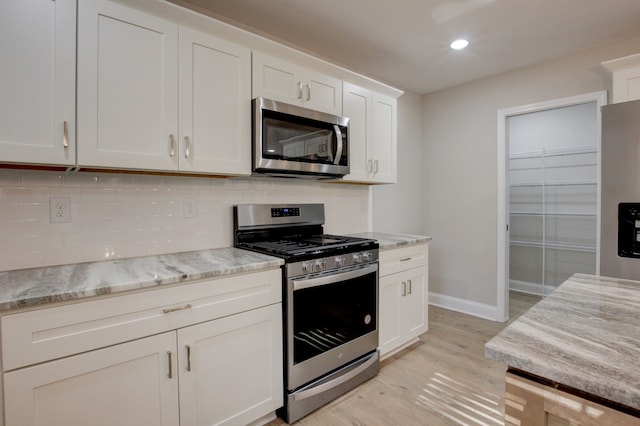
x: 573, y: 358
x: 168, y: 339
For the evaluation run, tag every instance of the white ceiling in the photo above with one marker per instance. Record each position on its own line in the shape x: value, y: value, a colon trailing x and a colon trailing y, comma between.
x: 406, y: 42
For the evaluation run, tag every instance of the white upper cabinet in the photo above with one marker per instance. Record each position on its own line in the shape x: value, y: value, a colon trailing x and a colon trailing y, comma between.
x: 157, y: 96
x: 37, y: 65
x: 372, y: 135
x: 127, y: 88
x: 384, y: 138
x: 215, y: 105
x: 283, y: 81
x: 357, y: 105
x: 626, y: 78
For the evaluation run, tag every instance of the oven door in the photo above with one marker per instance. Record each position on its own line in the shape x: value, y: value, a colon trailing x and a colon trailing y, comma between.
x: 291, y: 140
x: 332, y: 319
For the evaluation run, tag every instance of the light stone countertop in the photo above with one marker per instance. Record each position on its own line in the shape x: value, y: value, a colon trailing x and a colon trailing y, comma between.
x: 585, y: 334
x: 390, y: 241
x: 40, y: 286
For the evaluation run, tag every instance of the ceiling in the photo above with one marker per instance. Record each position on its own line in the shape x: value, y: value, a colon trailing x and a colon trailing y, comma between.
x: 406, y: 42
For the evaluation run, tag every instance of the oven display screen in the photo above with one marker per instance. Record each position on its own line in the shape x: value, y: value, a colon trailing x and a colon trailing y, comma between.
x: 285, y: 212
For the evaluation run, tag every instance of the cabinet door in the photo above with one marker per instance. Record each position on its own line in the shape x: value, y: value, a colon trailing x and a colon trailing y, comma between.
x: 403, y: 308
x: 356, y: 104
x: 37, y: 47
x: 390, y: 306
x: 322, y: 93
x: 276, y: 79
x: 416, y: 305
x: 231, y: 368
x: 384, y: 138
x: 215, y: 105
x: 127, y: 88
x: 128, y: 384
x: 533, y: 404
x: 286, y: 82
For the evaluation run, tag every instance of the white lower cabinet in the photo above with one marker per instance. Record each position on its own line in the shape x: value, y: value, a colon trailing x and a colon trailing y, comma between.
x: 216, y: 358
x: 230, y: 370
x: 403, y: 297
x: 126, y: 384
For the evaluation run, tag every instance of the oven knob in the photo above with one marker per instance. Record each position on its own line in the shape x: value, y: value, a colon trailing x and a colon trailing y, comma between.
x: 320, y: 265
x: 357, y: 258
x: 307, y: 267
x: 339, y: 261
x: 366, y: 256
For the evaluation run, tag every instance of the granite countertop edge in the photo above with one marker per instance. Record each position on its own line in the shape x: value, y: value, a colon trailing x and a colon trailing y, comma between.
x: 388, y: 241
x: 583, y: 335
x: 35, y: 287
x: 41, y: 286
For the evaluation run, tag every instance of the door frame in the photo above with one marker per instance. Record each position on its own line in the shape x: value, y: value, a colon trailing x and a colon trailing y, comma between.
x: 600, y: 97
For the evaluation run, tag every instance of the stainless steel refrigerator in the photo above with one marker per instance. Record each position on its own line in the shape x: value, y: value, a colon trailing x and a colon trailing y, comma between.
x: 620, y: 189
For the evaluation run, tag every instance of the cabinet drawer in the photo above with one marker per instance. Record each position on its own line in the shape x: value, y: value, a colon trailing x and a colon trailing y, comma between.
x: 402, y: 259
x: 49, y: 333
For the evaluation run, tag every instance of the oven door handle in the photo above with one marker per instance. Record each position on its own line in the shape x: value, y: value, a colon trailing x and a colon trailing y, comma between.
x: 315, y: 390
x: 333, y: 278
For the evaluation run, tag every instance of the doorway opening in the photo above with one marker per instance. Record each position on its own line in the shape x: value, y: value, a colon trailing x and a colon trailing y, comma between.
x: 548, y: 194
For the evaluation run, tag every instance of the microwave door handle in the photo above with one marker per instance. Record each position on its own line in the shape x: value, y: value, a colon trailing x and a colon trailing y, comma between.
x: 338, y: 133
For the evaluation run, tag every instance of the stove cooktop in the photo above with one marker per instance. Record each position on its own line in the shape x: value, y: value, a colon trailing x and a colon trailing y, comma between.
x: 293, y: 232
x: 310, y: 245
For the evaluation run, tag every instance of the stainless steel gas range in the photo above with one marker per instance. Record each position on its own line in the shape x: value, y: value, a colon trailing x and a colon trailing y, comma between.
x: 330, y: 301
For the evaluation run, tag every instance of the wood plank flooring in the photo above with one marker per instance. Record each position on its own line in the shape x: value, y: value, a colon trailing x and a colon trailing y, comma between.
x: 444, y: 379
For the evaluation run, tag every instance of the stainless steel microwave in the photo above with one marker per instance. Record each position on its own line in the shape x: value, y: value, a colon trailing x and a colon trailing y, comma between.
x: 293, y: 141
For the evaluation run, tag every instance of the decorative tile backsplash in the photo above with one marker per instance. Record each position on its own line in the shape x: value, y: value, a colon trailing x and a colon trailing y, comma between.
x: 121, y: 215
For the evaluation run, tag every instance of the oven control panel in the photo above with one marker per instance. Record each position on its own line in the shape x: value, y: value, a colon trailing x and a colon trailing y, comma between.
x: 329, y: 263
x: 285, y: 211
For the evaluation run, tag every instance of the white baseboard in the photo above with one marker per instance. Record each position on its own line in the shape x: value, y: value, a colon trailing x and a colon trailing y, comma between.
x: 476, y: 309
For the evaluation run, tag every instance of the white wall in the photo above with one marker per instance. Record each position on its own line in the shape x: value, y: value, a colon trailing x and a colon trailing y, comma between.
x: 399, y: 207
x: 120, y: 215
x: 460, y: 153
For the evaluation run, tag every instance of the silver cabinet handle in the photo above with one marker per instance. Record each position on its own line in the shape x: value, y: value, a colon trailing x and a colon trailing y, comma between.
x: 179, y: 308
x: 370, y: 166
x: 308, y: 92
x: 172, y: 140
x: 376, y: 166
x: 65, y: 134
x: 404, y: 259
x: 299, y: 90
x: 187, y: 146
x: 404, y: 288
x: 188, y: 357
x: 409, y: 282
x: 170, y: 375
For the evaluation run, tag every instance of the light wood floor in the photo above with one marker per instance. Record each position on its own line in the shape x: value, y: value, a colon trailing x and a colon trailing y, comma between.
x: 444, y: 379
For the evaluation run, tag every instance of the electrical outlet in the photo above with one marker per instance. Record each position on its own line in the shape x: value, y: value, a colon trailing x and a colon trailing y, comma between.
x: 190, y: 208
x: 60, y: 209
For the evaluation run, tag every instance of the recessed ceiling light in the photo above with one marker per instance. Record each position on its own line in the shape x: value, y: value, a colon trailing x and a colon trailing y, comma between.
x: 459, y: 44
